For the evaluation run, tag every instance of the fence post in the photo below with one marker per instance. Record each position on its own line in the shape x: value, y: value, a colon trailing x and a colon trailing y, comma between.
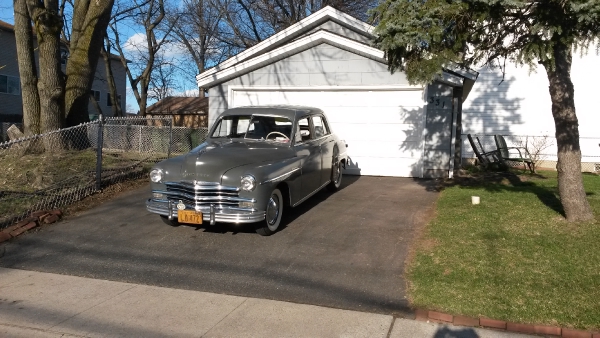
x: 170, y: 137
x: 99, y: 152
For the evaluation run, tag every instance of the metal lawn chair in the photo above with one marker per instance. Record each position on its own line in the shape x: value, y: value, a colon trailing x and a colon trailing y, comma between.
x: 505, y: 154
x: 486, y: 159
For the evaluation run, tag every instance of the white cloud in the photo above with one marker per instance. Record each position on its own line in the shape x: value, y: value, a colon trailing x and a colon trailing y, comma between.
x: 135, y: 42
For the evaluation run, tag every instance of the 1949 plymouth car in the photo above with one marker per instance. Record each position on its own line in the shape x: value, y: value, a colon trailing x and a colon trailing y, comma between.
x: 255, y: 162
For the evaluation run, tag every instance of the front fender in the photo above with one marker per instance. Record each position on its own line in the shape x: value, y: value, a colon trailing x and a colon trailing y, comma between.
x: 268, y: 175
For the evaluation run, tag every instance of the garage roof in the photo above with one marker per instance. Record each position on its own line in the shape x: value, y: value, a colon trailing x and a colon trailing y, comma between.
x: 291, y: 41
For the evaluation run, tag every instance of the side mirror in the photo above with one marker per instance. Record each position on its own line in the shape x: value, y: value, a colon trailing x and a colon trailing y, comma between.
x: 304, y: 133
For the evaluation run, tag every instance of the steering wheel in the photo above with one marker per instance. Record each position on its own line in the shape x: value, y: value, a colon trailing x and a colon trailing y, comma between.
x: 276, y: 132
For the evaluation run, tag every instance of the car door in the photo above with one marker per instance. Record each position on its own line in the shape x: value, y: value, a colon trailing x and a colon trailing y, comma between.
x: 309, y: 150
x: 326, y: 143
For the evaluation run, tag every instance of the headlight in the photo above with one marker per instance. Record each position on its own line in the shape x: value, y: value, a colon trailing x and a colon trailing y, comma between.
x: 248, y: 183
x: 156, y: 175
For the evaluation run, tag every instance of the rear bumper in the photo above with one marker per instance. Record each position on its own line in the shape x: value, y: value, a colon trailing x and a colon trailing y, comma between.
x: 210, y: 214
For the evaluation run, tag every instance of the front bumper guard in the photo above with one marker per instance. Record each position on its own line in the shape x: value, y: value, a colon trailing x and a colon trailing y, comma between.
x: 210, y: 213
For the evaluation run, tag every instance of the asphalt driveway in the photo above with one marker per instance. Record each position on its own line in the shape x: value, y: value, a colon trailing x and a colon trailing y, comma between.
x: 343, y: 250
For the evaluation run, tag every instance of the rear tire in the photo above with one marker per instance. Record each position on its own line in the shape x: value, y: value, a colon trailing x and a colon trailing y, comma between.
x: 273, y: 215
x: 167, y: 221
x: 336, y: 172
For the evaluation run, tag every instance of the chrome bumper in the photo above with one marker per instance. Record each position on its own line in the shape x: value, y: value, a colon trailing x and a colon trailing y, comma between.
x: 210, y: 214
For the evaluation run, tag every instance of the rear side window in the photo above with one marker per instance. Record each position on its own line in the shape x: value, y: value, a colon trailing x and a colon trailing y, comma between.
x: 302, y: 131
x: 320, y: 126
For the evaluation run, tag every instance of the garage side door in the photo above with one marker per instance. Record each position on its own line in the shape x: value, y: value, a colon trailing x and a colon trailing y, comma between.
x: 383, y: 129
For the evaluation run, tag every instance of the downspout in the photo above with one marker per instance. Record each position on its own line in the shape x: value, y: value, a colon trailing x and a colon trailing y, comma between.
x: 456, y: 164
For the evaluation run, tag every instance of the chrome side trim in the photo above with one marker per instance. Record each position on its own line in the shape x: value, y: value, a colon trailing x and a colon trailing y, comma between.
x: 312, y: 193
x: 280, y: 177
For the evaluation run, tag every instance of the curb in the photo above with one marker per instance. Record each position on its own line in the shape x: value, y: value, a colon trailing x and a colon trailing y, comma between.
x: 34, y: 220
x: 488, y: 323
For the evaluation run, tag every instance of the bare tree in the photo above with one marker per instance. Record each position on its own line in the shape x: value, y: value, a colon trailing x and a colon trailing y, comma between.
x: 149, y: 15
x: 198, y: 29
x: 110, y: 78
x: 162, y: 82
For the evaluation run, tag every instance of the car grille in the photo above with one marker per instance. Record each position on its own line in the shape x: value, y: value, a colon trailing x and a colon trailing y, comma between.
x: 203, y: 194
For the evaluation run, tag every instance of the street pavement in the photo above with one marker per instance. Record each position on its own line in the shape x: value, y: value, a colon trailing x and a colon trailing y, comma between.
x: 37, y: 304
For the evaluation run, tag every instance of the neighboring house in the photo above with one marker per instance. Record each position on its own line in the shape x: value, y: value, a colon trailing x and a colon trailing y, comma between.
x: 10, y: 88
x: 327, y: 60
x: 190, y: 112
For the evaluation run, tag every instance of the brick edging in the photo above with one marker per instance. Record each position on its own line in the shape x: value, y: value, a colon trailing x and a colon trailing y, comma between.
x: 444, y: 318
x: 34, y: 220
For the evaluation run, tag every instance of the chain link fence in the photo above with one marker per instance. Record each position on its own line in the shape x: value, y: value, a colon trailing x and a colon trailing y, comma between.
x: 55, y: 169
x: 542, y: 149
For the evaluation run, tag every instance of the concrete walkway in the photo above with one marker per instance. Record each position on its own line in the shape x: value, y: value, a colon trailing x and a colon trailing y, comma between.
x: 37, y: 304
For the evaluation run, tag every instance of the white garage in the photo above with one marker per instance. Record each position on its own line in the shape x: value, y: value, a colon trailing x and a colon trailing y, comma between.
x: 326, y: 61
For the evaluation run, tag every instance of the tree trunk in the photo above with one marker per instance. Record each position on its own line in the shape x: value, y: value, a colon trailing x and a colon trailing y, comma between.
x: 27, y: 69
x: 89, y: 27
x: 110, y: 81
x: 570, y: 178
x: 48, y: 26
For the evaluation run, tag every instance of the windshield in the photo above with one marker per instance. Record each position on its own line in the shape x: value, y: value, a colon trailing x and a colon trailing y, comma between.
x: 258, y: 127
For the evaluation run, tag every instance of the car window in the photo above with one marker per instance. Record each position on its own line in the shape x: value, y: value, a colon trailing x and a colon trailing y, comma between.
x: 233, y: 126
x: 270, y: 128
x: 303, y: 130
x: 320, y: 127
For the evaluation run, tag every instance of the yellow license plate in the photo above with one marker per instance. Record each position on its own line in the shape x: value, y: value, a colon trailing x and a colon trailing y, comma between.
x: 189, y: 216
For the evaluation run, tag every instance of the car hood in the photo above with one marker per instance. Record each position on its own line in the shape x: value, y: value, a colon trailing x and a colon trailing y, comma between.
x: 210, y: 160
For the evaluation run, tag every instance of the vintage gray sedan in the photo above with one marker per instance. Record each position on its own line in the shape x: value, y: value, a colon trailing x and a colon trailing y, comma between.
x: 255, y: 162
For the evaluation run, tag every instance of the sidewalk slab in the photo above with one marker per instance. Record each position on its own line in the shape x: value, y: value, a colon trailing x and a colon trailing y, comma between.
x: 25, y: 332
x: 43, y: 300
x: 269, y: 318
x: 149, y: 311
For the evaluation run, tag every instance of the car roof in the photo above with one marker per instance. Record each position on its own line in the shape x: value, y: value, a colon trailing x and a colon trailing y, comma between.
x: 291, y: 112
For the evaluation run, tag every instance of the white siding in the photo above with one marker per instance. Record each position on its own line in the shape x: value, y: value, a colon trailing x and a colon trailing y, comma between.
x: 520, y: 105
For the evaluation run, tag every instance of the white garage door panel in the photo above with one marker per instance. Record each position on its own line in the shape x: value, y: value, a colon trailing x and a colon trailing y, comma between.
x: 385, y: 149
x: 382, y: 132
x: 382, y: 128
x: 406, y: 115
x: 384, y: 166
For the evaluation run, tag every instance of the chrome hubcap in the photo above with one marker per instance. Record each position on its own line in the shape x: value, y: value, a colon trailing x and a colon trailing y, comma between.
x: 273, y: 210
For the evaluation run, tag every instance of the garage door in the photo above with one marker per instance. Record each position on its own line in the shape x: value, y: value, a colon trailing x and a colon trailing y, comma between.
x: 383, y: 129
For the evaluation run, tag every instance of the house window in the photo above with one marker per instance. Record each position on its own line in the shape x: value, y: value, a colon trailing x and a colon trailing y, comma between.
x: 108, y: 100
x: 64, y: 55
x: 95, y: 94
x: 10, y: 85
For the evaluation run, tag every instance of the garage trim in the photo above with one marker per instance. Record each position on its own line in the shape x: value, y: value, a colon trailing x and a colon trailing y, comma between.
x: 288, y: 33
x: 233, y: 88
x: 292, y: 48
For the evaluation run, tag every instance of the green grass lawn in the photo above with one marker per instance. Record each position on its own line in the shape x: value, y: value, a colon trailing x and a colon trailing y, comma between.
x: 512, y: 257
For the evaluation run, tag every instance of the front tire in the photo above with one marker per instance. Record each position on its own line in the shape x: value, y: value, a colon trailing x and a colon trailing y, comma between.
x: 273, y: 215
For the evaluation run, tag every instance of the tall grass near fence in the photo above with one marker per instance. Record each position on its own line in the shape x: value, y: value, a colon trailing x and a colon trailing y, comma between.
x: 55, y: 169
